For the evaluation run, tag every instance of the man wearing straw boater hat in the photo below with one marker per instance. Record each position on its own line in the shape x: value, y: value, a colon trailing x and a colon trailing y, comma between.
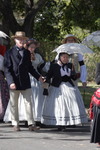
x: 18, y: 65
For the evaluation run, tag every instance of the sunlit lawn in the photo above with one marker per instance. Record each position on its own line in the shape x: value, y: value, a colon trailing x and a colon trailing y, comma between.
x: 87, y: 92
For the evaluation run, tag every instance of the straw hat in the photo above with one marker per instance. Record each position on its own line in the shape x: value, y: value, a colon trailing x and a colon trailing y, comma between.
x: 68, y: 36
x: 19, y: 34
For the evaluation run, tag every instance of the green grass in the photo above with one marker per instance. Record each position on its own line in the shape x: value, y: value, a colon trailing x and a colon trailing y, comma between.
x: 87, y: 92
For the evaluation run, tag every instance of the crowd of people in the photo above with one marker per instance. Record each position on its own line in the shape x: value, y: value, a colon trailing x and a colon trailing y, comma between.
x: 33, y: 90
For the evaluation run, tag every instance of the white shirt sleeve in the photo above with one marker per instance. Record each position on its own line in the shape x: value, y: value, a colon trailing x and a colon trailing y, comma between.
x: 83, y: 70
x: 80, y: 57
x: 83, y: 73
x: 40, y: 59
x: 1, y: 63
x: 46, y: 67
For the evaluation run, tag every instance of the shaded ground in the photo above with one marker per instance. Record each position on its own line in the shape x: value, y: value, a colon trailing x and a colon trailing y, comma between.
x: 48, y: 138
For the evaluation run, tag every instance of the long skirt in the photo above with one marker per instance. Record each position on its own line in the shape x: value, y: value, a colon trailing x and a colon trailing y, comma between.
x: 4, y: 95
x: 64, y: 106
x: 95, y: 133
x: 37, y: 98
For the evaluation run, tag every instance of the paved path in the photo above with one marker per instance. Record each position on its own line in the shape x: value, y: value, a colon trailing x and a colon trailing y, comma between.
x: 46, y: 139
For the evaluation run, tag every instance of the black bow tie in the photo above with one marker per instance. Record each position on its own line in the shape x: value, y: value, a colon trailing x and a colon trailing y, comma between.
x: 64, y: 65
x: 20, y: 52
x: 19, y: 49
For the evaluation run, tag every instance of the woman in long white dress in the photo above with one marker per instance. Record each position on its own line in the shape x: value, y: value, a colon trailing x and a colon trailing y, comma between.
x: 64, y: 105
x: 37, y: 89
x: 77, y: 60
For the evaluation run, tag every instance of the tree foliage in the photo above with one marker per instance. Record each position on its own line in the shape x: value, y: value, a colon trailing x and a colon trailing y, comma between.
x: 82, y: 13
x: 54, y: 18
x: 13, y: 10
x: 47, y: 20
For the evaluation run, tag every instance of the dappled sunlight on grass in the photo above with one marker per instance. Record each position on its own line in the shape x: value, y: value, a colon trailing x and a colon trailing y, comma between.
x: 88, y: 92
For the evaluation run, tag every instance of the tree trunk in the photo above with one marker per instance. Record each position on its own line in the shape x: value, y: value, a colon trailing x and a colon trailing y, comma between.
x: 10, y: 21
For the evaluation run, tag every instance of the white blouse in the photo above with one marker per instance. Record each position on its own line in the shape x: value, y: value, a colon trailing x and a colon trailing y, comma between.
x: 38, y: 60
x: 64, y: 71
x: 83, y: 70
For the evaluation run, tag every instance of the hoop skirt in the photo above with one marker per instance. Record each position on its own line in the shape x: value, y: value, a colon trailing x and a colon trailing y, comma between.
x: 64, y: 106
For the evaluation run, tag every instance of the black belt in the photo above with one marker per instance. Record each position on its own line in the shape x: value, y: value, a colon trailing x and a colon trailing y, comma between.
x: 67, y: 79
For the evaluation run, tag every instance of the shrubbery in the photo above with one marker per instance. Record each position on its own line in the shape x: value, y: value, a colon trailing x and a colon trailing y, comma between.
x: 91, y: 60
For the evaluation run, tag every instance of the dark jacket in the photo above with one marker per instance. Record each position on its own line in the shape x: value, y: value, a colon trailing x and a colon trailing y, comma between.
x: 97, y: 76
x: 17, y: 68
x: 55, y: 75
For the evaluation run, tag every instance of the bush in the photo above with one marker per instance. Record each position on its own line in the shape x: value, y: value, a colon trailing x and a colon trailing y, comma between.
x: 91, y: 60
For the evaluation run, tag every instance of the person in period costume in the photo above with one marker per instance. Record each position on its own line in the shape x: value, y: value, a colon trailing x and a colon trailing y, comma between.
x: 77, y: 59
x: 64, y: 105
x: 95, y: 110
x: 4, y: 90
x: 37, y: 89
x: 17, y: 66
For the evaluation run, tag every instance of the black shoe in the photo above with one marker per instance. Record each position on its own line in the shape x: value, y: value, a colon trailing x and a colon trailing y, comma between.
x: 71, y: 126
x: 26, y: 124
x: 61, y: 128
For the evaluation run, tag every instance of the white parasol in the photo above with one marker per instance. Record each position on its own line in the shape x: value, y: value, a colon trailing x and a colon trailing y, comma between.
x: 71, y: 48
x: 92, y: 39
x: 3, y: 35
